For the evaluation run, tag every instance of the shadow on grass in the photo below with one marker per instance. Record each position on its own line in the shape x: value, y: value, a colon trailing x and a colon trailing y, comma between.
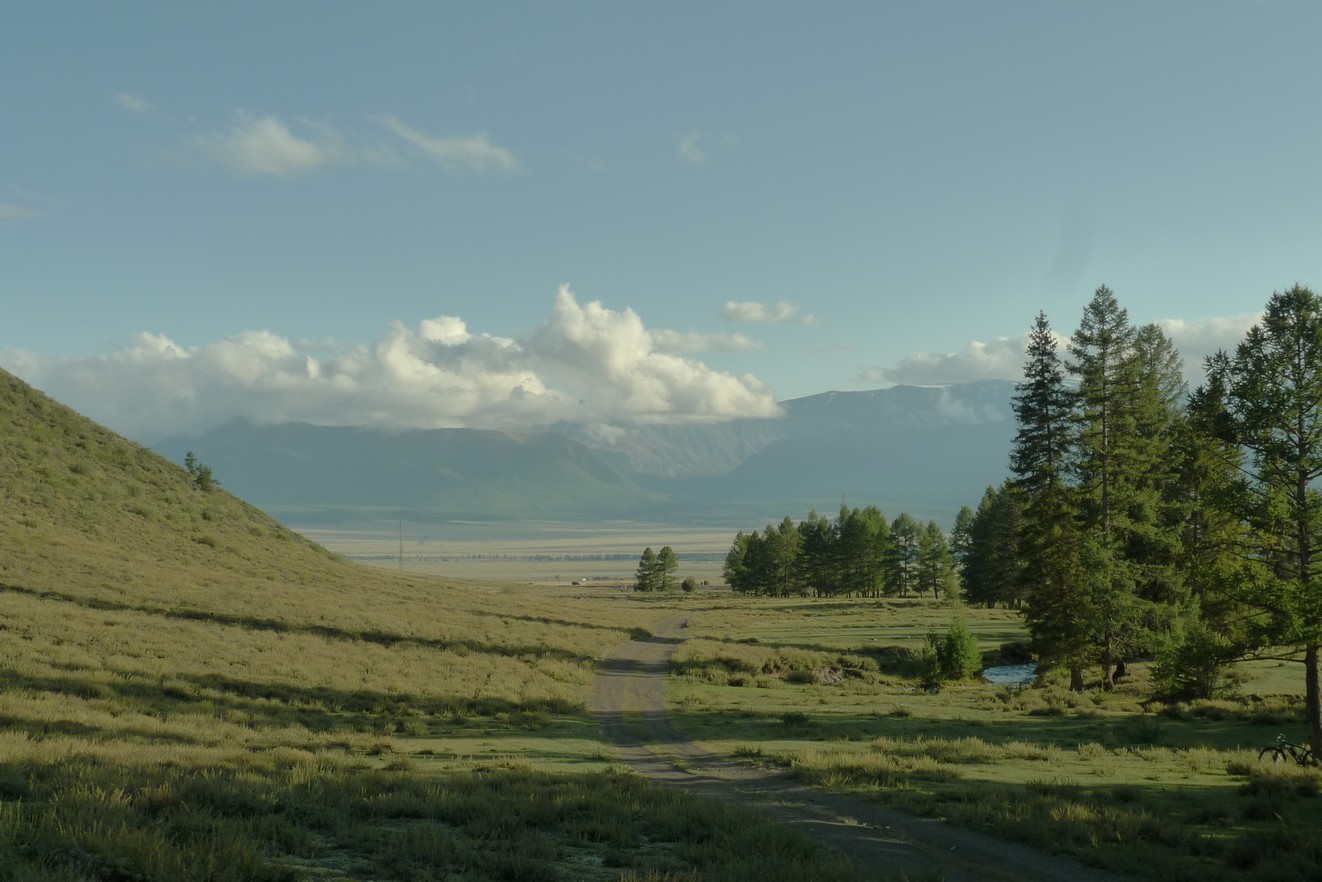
x: 256, y: 623
x: 78, y: 819
x: 261, y: 705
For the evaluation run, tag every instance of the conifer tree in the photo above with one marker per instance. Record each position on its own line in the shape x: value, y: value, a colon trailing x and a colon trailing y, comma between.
x: 991, y: 573
x: 1271, y: 408
x: 736, y: 568
x: 935, y: 564
x: 667, y: 562
x: 902, y: 569
x: 1102, y: 351
x: 1056, y: 596
x: 645, y: 578
x: 819, y: 555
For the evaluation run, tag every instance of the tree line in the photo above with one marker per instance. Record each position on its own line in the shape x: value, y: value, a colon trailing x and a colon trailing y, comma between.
x: 1142, y: 520
x: 856, y: 554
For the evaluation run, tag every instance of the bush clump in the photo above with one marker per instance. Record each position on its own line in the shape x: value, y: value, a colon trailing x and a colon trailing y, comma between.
x: 952, y: 657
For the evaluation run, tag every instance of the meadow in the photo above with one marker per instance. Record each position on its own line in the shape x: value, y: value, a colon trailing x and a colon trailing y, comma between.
x: 191, y: 691
x: 828, y: 691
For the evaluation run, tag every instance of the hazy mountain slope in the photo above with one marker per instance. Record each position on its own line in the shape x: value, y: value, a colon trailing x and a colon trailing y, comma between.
x: 926, y: 450
x: 706, y: 449
x: 929, y: 472
x: 315, y: 472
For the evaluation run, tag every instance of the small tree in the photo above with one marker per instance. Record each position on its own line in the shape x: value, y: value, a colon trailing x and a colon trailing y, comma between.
x: 1194, y: 661
x: 952, y: 657
x: 666, y: 564
x: 202, y: 476
x: 646, y: 579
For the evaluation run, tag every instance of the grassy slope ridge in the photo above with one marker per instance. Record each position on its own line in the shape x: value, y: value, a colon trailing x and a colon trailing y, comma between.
x: 190, y: 691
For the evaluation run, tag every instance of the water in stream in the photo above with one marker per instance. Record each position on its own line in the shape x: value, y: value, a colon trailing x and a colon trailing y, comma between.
x: 1011, y: 675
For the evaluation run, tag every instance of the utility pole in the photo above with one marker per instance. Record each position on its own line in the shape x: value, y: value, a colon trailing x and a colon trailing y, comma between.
x: 401, y: 546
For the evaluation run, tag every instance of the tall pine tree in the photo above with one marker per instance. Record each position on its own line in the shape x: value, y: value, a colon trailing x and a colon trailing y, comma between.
x: 1271, y: 404
x: 1056, y: 597
x: 1108, y: 466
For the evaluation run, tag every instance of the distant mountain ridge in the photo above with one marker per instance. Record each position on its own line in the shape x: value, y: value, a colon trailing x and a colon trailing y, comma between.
x: 926, y: 450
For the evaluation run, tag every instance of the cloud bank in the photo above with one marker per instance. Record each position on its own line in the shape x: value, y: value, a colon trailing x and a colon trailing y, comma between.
x: 586, y: 363
x: 1003, y: 358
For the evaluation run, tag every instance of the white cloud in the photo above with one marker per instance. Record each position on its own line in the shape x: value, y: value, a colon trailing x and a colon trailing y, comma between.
x: 1203, y: 337
x: 753, y: 311
x: 14, y: 212
x: 587, y: 363
x: 264, y: 145
x: 616, y: 359
x: 1003, y: 358
x: 131, y: 102
x: 690, y: 152
x: 473, y: 153
x: 690, y: 341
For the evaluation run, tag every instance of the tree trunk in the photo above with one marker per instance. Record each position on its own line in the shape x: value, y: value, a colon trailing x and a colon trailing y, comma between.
x: 1313, y: 698
x: 1108, y: 654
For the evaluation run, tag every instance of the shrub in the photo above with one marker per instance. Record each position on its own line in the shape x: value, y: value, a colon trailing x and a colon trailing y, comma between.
x: 1194, y: 662
x: 953, y: 657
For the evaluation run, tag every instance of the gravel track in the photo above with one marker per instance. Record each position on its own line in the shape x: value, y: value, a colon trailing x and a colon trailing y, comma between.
x: 628, y: 700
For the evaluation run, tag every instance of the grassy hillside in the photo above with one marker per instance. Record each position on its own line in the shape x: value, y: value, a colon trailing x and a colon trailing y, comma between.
x: 190, y: 691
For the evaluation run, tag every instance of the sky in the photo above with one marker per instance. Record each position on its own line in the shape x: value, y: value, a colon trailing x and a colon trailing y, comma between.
x: 507, y: 214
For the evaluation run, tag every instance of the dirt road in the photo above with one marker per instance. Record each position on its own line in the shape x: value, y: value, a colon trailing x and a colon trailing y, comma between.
x: 628, y: 699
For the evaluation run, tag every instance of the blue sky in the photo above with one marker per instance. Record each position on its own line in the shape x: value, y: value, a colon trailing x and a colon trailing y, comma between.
x: 504, y: 214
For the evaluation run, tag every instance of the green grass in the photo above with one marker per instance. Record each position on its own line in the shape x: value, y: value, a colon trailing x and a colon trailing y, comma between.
x: 190, y: 691
x: 1142, y: 788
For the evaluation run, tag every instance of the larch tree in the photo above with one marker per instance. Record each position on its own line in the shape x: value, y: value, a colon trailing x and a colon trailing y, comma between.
x: 935, y: 564
x: 819, y: 561
x: 991, y: 572
x: 1271, y: 398
x: 904, y: 554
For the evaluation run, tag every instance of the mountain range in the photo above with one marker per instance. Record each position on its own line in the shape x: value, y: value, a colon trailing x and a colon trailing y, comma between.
x: 927, y: 450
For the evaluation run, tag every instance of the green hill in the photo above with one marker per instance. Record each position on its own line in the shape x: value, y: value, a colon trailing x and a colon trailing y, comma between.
x: 189, y: 691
